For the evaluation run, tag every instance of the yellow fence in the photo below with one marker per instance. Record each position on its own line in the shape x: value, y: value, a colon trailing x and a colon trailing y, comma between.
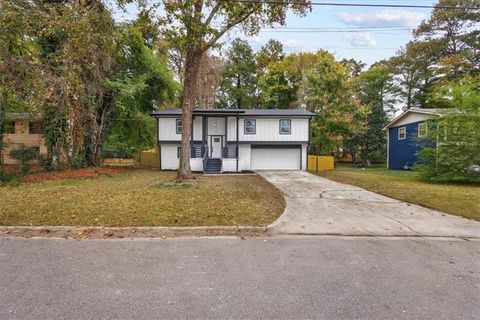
x: 320, y: 163
x: 149, y: 158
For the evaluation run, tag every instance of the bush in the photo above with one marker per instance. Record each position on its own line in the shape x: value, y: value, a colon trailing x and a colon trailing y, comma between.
x: 7, y: 179
x: 25, y: 155
x: 452, y: 152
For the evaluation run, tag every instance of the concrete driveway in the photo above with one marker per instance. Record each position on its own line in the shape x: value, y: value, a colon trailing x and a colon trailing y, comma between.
x: 316, y: 205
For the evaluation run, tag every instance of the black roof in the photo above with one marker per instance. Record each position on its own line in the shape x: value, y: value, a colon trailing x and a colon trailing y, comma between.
x: 243, y: 112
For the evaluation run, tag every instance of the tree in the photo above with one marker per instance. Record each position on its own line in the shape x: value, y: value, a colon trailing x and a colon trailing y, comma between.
x: 238, y: 85
x: 195, y: 26
x: 355, y: 66
x: 452, y: 149
x: 374, y: 89
x: 327, y: 91
x: 456, y: 29
x: 271, y: 52
x: 278, y: 86
x: 209, y: 81
x: 141, y: 81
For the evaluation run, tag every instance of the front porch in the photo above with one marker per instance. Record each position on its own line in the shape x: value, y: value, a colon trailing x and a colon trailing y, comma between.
x: 217, y: 150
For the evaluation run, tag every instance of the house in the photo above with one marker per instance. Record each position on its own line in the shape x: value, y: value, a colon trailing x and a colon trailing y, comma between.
x: 402, y: 137
x: 21, y: 129
x: 235, y: 140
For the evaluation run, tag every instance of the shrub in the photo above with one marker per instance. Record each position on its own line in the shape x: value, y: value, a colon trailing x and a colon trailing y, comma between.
x: 25, y: 155
x: 452, y: 153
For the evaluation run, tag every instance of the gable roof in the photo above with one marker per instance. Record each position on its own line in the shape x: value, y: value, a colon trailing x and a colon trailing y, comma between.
x: 22, y: 116
x: 433, y: 112
x: 243, y: 112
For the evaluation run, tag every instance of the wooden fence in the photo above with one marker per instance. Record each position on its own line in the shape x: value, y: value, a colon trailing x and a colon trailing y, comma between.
x: 320, y: 163
x: 149, y: 158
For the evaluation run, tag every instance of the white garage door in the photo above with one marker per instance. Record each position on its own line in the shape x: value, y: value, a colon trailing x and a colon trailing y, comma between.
x: 270, y: 158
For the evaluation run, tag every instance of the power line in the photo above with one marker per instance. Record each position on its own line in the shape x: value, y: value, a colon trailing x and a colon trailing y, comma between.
x: 376, y: 5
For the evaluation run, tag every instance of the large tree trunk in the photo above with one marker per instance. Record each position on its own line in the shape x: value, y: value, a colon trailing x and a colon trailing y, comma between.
x: 192, y: 65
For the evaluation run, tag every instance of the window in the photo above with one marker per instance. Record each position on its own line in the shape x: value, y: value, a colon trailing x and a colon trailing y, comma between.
x: 35, y: 127
x: 422, y: 130
x: 285, y: 126
x: 9, y: 127
x: 179, y: 152
x: 179, y: 126
x: 250, y: 126
x: 402, y: 133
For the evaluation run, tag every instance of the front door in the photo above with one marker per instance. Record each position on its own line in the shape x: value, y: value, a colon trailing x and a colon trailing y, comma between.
x: 216, y: 147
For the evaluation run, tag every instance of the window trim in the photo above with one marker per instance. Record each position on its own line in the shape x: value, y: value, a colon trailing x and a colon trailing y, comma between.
x: 404, y: 133
x: 177, y: 126
x: 423, y: 124
x: 31, y: 125
x: 10, y: 124
x: 179, y: 152
x: 254, y: 126
x: 289, y: 126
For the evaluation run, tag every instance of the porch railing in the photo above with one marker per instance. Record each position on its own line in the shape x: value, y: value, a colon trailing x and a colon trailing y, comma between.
x: 229, y: 152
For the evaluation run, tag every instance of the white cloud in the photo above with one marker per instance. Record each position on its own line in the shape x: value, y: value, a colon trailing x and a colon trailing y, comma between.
x: 384, y: 18
x: 361, y: 39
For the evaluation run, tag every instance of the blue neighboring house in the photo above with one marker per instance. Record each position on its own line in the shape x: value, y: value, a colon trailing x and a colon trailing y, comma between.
x: 402, y: 135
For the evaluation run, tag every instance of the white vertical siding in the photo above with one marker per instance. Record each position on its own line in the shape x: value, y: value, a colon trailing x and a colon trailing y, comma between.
x: 168, y: 157
x: 268, y: 129
x: 167, y: 129
x: 244, y: 153
x: 232, y: 129
x: 304, y: 156
x: 170, y: 161
x: 197, y: 129
x: 216, y: 126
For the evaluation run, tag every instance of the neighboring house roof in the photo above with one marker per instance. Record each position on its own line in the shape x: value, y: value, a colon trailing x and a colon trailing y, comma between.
x: 433, y: 112
x: 22, y: 116
x: 243, y: 112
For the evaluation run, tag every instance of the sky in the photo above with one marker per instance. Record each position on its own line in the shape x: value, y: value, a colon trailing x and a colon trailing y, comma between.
x: 368, y: 34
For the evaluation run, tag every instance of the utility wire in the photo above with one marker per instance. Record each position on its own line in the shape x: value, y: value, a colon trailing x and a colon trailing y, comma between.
x: 336, y: 4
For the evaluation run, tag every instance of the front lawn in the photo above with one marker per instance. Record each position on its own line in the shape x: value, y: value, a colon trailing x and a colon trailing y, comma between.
x: 142, y: 198
x: 458, y: 199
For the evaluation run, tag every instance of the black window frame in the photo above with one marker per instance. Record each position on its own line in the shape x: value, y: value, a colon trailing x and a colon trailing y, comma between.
x: 254, y: 126
x: 33, y: 125
x: 177, y: 126
x: 179, y: 152
x: 289, y: 126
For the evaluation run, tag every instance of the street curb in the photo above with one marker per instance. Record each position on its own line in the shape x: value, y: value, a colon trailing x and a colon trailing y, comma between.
x: 130, y: 232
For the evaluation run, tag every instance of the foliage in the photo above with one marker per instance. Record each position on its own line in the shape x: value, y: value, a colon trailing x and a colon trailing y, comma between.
x: 25, y: 155
x: 238, y: 83
x: 453, y: 152
x: 328, y: 92
x: 141, y: 82
x: 278, y: 86
x: 374, y: 89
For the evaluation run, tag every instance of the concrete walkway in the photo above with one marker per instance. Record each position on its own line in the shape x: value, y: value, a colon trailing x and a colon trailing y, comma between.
x: 316, y: 205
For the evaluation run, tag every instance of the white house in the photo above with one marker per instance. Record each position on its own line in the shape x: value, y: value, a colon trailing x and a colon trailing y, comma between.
x: 235, y: 140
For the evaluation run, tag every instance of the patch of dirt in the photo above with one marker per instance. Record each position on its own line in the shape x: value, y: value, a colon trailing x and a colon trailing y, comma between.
x: 92, y: 172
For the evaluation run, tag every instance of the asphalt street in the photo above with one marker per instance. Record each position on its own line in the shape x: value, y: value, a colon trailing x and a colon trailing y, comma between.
x: 288, y: 277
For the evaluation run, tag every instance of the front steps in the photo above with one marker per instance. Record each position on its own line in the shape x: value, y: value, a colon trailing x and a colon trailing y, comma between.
x: 213, y: 166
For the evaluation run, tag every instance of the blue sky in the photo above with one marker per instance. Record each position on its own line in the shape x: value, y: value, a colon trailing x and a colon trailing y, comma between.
x: 368, y: 34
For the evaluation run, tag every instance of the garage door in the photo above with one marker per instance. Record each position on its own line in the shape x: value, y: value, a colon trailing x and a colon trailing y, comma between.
x: 276, y: 158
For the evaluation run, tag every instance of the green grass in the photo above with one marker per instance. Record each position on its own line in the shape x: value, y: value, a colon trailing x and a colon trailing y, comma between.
x: 458, y: 199
x: 143, y: 198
